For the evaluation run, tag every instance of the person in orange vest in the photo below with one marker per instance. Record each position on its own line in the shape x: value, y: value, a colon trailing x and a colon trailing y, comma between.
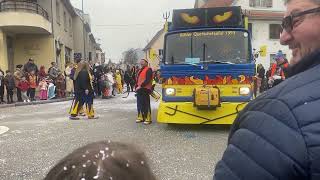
x: 143, y: 91
x: 278, y: 69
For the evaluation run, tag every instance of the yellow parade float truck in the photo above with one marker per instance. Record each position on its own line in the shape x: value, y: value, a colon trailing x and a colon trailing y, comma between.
x: 207, y: 67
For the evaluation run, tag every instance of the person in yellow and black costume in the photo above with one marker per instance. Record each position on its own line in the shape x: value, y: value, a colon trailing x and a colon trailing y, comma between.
x: 143, y: 91
x: 83, y: 92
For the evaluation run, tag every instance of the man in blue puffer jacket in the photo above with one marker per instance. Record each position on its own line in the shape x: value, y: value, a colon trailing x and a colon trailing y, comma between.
x: 277, y: 136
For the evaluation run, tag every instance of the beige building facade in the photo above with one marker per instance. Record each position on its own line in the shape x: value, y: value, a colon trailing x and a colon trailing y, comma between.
x: 44, y: 30
x: 154, y: 48
x: 63, y: 14
x: 85, y: 45
x: 100, y: 56
x: 25, y: 32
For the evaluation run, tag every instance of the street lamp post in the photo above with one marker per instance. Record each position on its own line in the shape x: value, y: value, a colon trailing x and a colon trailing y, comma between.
x: 82, y: 5
x: 84, y: 34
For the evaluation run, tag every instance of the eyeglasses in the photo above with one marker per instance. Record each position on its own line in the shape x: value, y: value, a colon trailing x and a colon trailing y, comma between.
x: 288, y: 22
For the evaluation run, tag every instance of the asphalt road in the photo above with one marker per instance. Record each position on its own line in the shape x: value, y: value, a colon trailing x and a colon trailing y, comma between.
x: 34, y: 138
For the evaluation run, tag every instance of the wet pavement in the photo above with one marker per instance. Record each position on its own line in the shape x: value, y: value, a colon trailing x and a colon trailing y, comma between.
x: 34, y: 138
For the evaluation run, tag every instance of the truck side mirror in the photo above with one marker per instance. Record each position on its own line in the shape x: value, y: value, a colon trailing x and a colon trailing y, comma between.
x: 161, y: 52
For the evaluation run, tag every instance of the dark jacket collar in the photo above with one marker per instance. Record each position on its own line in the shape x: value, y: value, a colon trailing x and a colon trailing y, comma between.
x: 305, y: 63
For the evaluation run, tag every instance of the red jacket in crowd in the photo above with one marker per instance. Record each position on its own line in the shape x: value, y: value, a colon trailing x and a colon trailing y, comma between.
x: 23, y: 85
x: 274, y: 69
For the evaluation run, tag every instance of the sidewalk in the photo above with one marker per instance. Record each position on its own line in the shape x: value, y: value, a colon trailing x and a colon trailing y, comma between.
x: 17, y: 104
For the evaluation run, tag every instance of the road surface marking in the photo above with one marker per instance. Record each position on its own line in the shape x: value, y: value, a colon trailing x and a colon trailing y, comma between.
x: 3, y: 129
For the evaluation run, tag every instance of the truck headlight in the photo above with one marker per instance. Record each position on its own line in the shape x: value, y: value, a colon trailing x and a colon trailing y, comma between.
x: 244, y: 91
x: 170, y: 91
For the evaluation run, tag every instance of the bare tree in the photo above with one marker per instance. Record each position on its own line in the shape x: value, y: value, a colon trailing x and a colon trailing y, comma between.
x: 130, y: 56
x: 109, y: 62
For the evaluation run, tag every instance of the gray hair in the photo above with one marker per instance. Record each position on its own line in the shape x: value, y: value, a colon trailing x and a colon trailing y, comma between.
x: 315, y: 1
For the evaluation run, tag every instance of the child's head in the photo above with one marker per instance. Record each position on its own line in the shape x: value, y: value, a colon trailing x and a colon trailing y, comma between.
x: 60, y: 76
x: 103, y: 160
x: 19, y: 67
x: 32, y: 72
x: 42, y: 68
x: 23, y: 78
x: 8, y: 72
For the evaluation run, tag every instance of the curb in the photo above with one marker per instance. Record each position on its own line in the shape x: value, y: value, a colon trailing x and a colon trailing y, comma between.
x: 34, y: 103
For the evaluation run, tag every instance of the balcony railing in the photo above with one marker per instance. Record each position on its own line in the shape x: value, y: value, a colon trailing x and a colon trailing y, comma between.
x: 23, y: 6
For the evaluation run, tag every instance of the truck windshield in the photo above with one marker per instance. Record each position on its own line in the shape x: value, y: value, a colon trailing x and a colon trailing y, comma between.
x: 212, y: 47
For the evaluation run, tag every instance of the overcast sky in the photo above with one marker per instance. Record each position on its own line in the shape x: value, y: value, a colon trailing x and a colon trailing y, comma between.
x: 124, y: 24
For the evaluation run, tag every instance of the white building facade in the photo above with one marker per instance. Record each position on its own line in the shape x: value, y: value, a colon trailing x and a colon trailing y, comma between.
x: 265, y: 18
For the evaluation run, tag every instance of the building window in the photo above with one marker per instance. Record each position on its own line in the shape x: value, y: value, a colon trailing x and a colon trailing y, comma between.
x: 58, y: 12
x: 70, y: 26
x: 90, y: 56
x: 274, y: 31
x: 67, y: 55
x: 65, y: 23
x: 261, y: 3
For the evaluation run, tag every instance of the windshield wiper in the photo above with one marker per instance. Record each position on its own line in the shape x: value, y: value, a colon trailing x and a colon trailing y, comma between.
x: 184, y: 63
x: 218, y: 62
x: 204, y: 53
x: 172, y: 59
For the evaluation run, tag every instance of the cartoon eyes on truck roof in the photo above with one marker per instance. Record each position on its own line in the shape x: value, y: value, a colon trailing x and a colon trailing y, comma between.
x: 194, y: 20
x: 211, y: 17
